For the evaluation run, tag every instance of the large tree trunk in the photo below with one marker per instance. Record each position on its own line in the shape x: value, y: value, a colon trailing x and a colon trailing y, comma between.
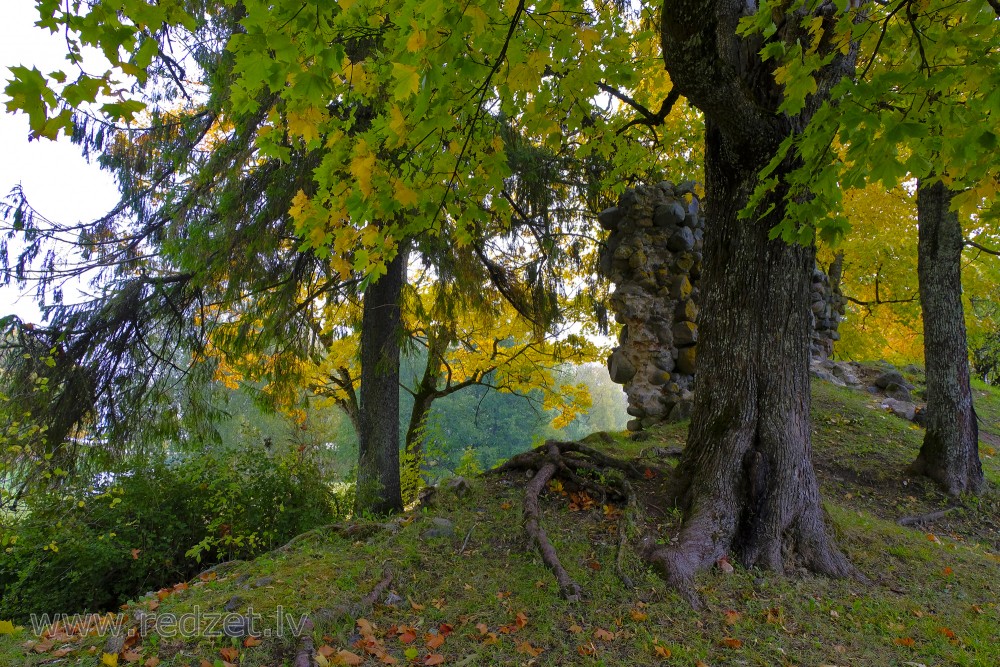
x: 746, y: 476
x: 378, y: 488
x: 950, y: 452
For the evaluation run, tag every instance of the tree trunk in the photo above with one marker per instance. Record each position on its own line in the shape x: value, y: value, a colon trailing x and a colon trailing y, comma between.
x: 950, y: 452
x: 746, y: 477
x: 378, y: 489
x: 413, y: 456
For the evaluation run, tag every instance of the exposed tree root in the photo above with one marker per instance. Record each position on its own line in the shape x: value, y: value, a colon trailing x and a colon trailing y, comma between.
x: 577, y: 464
x: 922, y: 519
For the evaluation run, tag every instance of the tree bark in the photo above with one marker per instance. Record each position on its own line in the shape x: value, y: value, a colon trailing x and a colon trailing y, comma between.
x: 378, y: 488
x: 746, y: 477
x: 950, y: 451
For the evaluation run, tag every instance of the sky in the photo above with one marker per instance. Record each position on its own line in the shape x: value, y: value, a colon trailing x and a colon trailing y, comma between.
x: 59, y: 183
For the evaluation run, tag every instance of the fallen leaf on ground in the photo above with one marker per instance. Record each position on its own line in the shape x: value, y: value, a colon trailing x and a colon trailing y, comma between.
x: 229, y: 654
x: 638, y: 616
x: 732, y: 643
x: 434, y: 659
x: 732, y: 616
x: 434, y: 641
x: 604, y: 635
x: 345, y: 657
x: 251, y: 641
x: 526, y: 648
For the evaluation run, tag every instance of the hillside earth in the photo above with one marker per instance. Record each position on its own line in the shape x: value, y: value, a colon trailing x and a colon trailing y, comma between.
x: 456, y: 581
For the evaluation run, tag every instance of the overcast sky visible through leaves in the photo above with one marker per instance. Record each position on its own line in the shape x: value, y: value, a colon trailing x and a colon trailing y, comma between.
x: 58, y: 181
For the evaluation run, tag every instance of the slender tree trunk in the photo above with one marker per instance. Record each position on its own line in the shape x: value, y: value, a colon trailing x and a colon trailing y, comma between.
x: 424, y: 395
x: 378, y: 488
x: 746, y: 478
x: 950, y: 452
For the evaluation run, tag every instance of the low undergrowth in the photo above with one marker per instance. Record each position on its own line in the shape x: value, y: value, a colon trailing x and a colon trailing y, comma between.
x: 457, y: 581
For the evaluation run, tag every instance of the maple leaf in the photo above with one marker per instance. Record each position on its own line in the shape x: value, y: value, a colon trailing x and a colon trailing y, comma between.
x: 407, y: 81
x: 229, y: 654
x: 434, y: 659
x: 638, y: 615
x: 604, y: 635
x: 660, y: 650
x: 526, y: 648
x: 251, y: 641
x: 732, y: 643
x: 345, y: 657
x: 434, y: 641
x: 483, y: 628
x: 109, y: 659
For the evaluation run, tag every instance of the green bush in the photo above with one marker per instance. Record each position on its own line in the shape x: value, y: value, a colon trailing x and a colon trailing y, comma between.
x: 92, y: 548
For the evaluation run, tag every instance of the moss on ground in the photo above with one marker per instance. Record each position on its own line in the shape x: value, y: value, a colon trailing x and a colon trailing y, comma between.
x: 933, y: 599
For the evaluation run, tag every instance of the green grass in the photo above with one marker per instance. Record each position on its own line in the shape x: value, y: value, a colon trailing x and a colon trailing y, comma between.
x: 933, y: 597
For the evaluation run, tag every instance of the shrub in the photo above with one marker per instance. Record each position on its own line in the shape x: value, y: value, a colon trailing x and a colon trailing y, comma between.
x: 89, y: 548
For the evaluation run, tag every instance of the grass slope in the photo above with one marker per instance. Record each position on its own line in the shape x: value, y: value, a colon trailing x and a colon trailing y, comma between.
x: 480, y: 596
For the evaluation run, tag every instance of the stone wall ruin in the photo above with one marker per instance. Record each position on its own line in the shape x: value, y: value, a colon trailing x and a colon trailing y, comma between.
x: 653, y: 256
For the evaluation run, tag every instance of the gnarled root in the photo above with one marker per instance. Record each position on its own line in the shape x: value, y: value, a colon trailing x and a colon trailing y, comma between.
x: 570, y: 461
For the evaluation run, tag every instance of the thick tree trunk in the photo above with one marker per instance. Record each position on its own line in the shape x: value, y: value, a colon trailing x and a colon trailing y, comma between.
x: 950, y: 452
x: 378, y: 488
x: 748, y: 484
x: 746, y: 476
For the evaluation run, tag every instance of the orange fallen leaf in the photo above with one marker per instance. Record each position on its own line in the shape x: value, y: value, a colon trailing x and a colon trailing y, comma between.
x: 434, y: 659
x: 445, y: 629
x: 505, y: 506
x: 434, y: 641
x: 326, y: 651
x: 575, y: 629
x: 152, y: 662
x: 661, y: 651
x: 365, y: 628
x: 483, y: 628
x: 62, y: 653
x: 732, y: 643
x: 604, y: 635
x: 947, y: 632
x: 408, y: 637
x: 732, y: 616
x: 520, y: 620
x: 491, y: 638
x: 415, y: 606
x: 131, y: 656
x: 526, y: 648
x: 904, y: 641
x: 345, y: 657
x: 135, y: 554
x: 229, y: 654
x: 638, y: 616
x: 180, y: 587
x: 586, y: 649
x: 947, y: 571
x: 251, y: 641
x: 648, y: 473
x: 208, y: 576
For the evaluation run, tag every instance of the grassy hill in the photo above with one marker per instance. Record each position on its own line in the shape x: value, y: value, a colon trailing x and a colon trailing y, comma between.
x: 466, y: 588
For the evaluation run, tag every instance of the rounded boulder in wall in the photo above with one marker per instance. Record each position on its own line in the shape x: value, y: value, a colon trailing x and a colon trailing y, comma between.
x: 620, y: 368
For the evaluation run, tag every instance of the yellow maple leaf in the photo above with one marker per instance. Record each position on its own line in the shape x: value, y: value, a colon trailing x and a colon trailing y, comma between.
x: 405, y: 195
x: 299, y: 203
x: 7, y: 628
x: 362, y: 166
x: 407, y: 80
x: 397, y: 122
x: 417, y: 40
x: 305, y: 122
x: 109, y: 659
